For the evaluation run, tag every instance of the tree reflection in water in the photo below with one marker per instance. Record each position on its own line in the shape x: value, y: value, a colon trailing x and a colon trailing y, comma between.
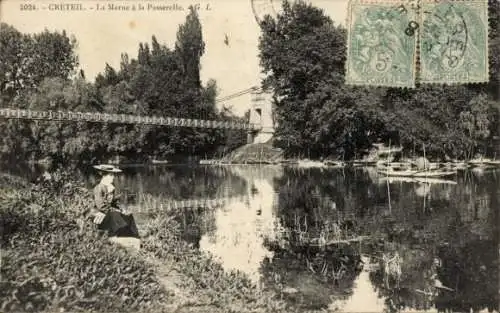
x: 472, y: 271
x: 447, y: 239
x: 316, y: 272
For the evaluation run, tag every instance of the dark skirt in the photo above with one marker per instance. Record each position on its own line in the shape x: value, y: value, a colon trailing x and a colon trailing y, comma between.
x: 119, y: 225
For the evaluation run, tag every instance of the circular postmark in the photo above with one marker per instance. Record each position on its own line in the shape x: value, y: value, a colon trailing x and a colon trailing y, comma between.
x: 445, y: 38
x: 261, y: 8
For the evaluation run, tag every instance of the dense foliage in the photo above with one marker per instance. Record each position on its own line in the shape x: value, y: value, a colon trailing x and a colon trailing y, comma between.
x: 303, y: 53
x: 39, y: 72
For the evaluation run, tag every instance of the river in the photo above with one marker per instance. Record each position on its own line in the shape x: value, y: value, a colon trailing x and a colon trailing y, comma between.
x: 268, y: 220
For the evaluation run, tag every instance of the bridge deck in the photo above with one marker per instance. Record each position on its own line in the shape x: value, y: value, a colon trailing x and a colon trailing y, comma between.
x: 123, y: 119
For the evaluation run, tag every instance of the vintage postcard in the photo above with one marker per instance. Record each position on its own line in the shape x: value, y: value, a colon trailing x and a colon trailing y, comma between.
x: 249, y: 156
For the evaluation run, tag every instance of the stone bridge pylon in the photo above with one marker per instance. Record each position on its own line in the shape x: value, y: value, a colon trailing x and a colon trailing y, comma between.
x: 261, y: 113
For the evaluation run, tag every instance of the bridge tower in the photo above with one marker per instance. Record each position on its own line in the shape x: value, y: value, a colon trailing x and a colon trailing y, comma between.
x: 261, y: 113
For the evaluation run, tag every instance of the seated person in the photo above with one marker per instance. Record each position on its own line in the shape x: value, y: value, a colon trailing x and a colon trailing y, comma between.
x: 107, y: 215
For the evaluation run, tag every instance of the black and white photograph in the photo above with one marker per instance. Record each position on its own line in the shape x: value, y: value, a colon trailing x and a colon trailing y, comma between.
x: 249, y: 156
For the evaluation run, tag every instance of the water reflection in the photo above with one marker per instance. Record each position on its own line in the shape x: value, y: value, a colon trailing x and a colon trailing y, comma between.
x: 364, y: 297
x: 327, y: 239
x: 241, y: 227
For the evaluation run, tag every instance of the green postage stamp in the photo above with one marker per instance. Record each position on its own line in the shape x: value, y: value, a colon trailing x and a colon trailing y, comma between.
x: 454, y: 42
x: 384, y: 36
x: 379, y: 50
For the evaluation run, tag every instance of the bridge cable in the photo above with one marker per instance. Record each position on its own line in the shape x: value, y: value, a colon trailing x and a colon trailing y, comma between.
x: 234, y: 95
x: 238, y: 94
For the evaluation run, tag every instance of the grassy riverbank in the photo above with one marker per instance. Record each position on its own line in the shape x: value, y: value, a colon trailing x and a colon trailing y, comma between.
x: 53, y: 263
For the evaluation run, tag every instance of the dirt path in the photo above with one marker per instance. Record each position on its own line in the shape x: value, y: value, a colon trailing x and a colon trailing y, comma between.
x: 169, y: 277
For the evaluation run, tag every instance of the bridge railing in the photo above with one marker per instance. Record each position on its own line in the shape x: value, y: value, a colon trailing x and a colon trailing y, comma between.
x: 123, y: 119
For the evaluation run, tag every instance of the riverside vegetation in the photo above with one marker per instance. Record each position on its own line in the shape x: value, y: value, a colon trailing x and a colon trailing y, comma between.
x: 51, y: 262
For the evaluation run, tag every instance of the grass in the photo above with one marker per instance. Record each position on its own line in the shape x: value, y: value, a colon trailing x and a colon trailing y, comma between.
x: 53, y: 261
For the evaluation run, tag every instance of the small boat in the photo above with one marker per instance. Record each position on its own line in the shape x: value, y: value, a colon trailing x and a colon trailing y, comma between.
x: 427, y: 180
x: 267, y: 162
x: 310, y: 164
x: 480, y: 162
x: 153, y: 161
x: 456, y: 165
x: 363, y: 162
x: 433, y: 173
x: 422, y: 180
x: 334, y: 163
x: 461, y: 166
x: 493, y: 162
x: 210, y: 162
x: 434, y: 166
x: 397, y: 179
x: 395, y: 165
x: 415, y: 173
x: 391, y: 172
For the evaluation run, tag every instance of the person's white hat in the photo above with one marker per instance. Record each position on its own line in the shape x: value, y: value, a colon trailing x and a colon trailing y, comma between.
x: 107, y: 168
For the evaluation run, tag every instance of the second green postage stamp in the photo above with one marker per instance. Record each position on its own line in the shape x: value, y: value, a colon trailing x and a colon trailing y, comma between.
x: 382, y: 41
x: 454, y: 41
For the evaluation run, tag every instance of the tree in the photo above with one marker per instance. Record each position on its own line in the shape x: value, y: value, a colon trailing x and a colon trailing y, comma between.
x: 191, y: 47
x: 12, y: 45
x: 302, y: 54
x: 28, y: 59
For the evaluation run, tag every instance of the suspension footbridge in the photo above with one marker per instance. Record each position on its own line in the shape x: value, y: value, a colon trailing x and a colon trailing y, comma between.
x: 123, y: 119
x: 259, y: 123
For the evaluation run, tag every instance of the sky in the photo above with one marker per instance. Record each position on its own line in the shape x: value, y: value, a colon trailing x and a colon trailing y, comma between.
x: 103, y: 35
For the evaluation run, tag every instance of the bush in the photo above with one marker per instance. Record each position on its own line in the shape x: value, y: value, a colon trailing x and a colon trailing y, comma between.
x: 51, y: 263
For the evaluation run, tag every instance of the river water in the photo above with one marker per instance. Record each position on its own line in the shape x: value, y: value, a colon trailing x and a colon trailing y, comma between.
x: 303, y: 232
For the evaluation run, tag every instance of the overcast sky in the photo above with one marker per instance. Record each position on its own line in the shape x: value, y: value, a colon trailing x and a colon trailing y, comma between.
x: 103, y: 36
